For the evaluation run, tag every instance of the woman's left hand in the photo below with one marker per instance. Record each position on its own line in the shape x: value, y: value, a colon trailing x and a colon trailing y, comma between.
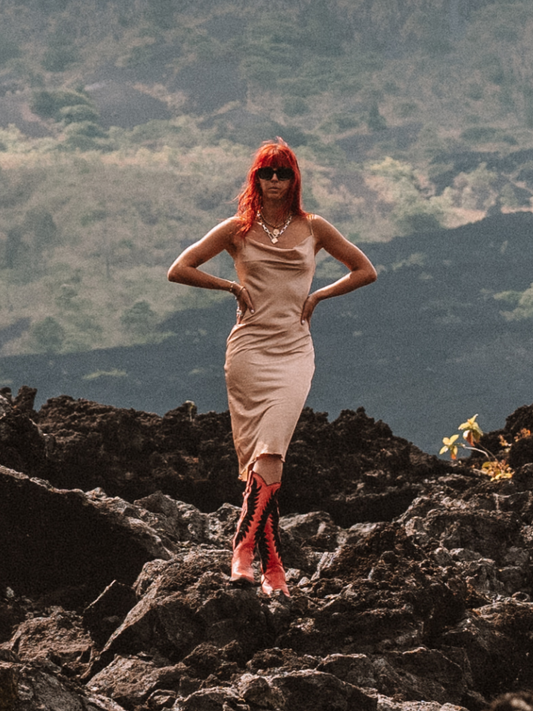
x: 308, y: 308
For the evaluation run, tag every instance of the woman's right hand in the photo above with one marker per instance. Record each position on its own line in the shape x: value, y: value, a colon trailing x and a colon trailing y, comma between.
x: 244, y: 303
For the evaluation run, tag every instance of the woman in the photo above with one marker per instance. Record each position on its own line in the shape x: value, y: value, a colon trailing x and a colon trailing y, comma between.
x: 269, y: 357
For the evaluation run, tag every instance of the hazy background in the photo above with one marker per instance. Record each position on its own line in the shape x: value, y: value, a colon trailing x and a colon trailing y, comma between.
x: 126, y: 132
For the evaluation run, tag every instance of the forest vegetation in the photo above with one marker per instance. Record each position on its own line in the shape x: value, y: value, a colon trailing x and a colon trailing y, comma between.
x: 127, y: 127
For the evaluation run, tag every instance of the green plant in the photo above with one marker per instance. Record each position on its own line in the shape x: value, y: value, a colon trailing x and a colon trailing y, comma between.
x: 58, y: 58
x: 78, y: 113
x: 48, y: 104
x: 375, y: 121
x: 474, y: 90
x: 295, y: 106
x: 481, y: 134
x: 139, y: 320
x: 9, y: 49
x: 85, y: 136
x: 412, y: 211
x: 14, y: 247
x: 160, y: 13
x: 496, y: 468
x: 406, y: 109
x: 521, y: 301
x: 48, y: 335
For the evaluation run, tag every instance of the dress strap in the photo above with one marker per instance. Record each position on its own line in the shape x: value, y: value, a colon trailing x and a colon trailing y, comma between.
x: 310, y: 222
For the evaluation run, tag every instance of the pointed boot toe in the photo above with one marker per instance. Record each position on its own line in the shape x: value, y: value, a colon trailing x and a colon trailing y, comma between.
x: 274, y: 581
x: 242, y: 577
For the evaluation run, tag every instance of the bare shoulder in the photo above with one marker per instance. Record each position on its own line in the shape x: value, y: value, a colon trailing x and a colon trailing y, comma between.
x: 227, y: 228
x: 332, y: 241
x: 325, y: 233
x: 232, y: 223
x: 231, y: 229
x: 223, y: 235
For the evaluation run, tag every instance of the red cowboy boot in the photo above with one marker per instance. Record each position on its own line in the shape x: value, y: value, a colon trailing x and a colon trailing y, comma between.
x: 269, y: 544
x: 257, y: 496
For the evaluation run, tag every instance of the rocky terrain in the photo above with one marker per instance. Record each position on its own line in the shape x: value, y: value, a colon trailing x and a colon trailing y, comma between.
x: 410, y: 576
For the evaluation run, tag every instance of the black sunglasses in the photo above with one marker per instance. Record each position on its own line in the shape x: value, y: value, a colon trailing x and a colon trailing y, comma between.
x: 282, y: 173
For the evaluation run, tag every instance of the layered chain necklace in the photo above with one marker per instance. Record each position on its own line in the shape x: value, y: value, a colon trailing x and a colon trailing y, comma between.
x: 277, y: 231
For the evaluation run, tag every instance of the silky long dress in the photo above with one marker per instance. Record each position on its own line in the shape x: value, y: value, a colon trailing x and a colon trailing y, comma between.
x: 270, y: 357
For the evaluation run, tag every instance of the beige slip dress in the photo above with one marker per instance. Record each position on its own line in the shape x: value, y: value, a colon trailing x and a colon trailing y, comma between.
x: 270, y: 358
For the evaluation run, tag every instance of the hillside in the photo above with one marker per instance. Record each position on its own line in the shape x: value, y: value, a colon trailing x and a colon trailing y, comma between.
x: 127, y: 128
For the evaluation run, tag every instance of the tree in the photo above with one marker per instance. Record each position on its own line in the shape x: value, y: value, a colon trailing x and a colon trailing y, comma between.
x: 161, y: 13
x: 49, y: 104
x: 13, y: 246
x: 41, y: 227
x: 48, y: 335
x: 375, y: 121
x: 8, y: 49
x: 139, y: 319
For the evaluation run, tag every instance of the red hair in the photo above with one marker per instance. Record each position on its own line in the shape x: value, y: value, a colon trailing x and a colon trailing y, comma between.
x: 274, y: 154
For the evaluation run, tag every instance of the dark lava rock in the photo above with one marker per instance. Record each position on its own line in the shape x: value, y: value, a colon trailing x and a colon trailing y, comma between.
x: 410, y: 577
x: 353, y: 468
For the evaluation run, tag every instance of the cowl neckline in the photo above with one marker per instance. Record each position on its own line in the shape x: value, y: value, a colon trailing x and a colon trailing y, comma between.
x: 275, y: 248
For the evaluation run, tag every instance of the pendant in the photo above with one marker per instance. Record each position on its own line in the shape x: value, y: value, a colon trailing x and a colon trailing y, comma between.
x: 274, y: 239
x: 275, y: 232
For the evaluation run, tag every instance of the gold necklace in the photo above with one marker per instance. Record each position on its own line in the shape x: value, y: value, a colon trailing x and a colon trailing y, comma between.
x: 277, y: 232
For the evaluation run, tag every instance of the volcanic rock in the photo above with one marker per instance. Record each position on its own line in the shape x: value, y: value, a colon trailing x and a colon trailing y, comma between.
x: 410, y: 576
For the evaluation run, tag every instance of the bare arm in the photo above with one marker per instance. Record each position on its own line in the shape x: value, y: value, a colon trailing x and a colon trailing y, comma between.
x: 361, y: 270
x: 185, y: 269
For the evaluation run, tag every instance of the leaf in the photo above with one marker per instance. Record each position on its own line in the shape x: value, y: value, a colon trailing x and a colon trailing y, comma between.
x: 450, y: 446
x: 497, y: 469
x: 472, y: 431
